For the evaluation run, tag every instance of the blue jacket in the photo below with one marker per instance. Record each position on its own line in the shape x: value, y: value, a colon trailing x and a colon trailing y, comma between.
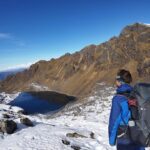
x: 120, y: 113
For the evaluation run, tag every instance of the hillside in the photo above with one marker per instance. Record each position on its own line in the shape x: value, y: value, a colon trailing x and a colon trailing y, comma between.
x: 5, y: 74
x: 77, y: 73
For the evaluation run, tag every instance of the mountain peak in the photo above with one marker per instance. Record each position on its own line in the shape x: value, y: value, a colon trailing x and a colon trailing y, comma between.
x: 136, y: 27
x: 76, y: 74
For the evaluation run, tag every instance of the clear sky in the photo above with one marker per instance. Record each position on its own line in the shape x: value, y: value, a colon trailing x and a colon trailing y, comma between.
x: 32, y: 30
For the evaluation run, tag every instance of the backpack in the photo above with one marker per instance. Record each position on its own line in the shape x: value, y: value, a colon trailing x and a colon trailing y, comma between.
x: 139, y: 105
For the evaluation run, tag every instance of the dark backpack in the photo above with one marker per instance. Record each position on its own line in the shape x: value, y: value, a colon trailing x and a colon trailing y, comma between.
x: 139, y: 104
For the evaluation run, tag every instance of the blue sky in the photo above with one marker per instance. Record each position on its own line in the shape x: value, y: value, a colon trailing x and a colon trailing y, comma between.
x: 31, y: 30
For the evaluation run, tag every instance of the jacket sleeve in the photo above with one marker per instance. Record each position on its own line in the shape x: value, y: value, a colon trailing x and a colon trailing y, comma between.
x: 114, y: 120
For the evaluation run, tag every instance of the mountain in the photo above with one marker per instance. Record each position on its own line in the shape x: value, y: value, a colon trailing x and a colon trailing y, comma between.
x: 5, y: 74
x: 78, y: 73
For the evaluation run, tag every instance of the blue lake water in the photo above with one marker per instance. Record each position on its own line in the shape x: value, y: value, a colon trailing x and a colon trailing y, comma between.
x: 33, y: 104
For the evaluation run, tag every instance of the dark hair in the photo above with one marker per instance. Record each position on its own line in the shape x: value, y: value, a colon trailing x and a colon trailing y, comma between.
x: 124, y: 75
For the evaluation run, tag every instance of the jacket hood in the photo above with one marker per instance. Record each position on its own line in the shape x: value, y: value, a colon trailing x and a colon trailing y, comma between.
x: 124, y: 88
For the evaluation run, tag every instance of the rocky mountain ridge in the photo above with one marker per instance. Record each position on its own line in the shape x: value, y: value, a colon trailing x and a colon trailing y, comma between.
x: 76, y: 74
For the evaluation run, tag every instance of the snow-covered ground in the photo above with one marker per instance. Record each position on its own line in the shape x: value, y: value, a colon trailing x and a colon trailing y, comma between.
x: 6, y: 98
x: 80, y: 125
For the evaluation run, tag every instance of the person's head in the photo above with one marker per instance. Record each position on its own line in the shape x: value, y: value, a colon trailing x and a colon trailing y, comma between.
x: 123, y: 76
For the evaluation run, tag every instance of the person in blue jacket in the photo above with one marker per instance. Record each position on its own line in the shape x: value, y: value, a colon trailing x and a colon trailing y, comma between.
x: 120, y: 114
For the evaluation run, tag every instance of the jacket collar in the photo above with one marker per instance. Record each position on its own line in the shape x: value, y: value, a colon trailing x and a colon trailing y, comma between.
x: 124, y: 88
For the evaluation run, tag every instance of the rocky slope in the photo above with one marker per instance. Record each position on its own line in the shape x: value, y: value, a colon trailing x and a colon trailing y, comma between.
x: 77, y: 73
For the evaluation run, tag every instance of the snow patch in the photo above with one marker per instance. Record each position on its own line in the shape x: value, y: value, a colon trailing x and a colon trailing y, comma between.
x: 7, y: 98
x: 38, y: 87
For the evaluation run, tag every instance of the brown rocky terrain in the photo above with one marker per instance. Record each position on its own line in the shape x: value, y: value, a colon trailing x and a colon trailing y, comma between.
x: 76, y: 74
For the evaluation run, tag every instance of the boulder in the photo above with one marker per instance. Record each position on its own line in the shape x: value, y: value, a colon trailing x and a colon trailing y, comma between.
x: 75, y: 147
x: 66, y: 142
x: 6, y: 115
x: 8, y: 126
x: 26, y: 121
x: 92, y: 135
x: 75, y: 135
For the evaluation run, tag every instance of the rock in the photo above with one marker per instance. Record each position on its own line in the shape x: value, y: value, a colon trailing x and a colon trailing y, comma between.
x: 75, y: 147
x: 144, y: 68
x: 6, y: 116
x: 8, y: 126
x: 92, y: 135
x: 75, y: 135
x: 26, y: 121
x: 66, y: 142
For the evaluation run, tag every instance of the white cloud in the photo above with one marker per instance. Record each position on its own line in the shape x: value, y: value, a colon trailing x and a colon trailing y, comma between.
x: 21, y: 66
x: 5, y: 36
x: 27, y: 65
x: 12, y: 39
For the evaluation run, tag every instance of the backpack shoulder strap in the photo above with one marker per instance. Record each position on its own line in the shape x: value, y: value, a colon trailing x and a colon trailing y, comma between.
x: 131, y: 101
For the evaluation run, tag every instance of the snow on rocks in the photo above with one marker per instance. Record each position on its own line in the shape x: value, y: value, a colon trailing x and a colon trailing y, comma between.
x: 38, y: 87
x: 6, y: 98
x: 4, y: 107
x: 9, y: 108
x: 9, y: 116
x: 81, y: 125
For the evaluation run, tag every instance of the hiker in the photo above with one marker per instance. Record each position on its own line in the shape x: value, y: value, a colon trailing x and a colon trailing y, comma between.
x: 120, y: 114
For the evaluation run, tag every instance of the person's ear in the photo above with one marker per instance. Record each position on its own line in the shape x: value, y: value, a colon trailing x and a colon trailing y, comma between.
x: 118, y: 83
